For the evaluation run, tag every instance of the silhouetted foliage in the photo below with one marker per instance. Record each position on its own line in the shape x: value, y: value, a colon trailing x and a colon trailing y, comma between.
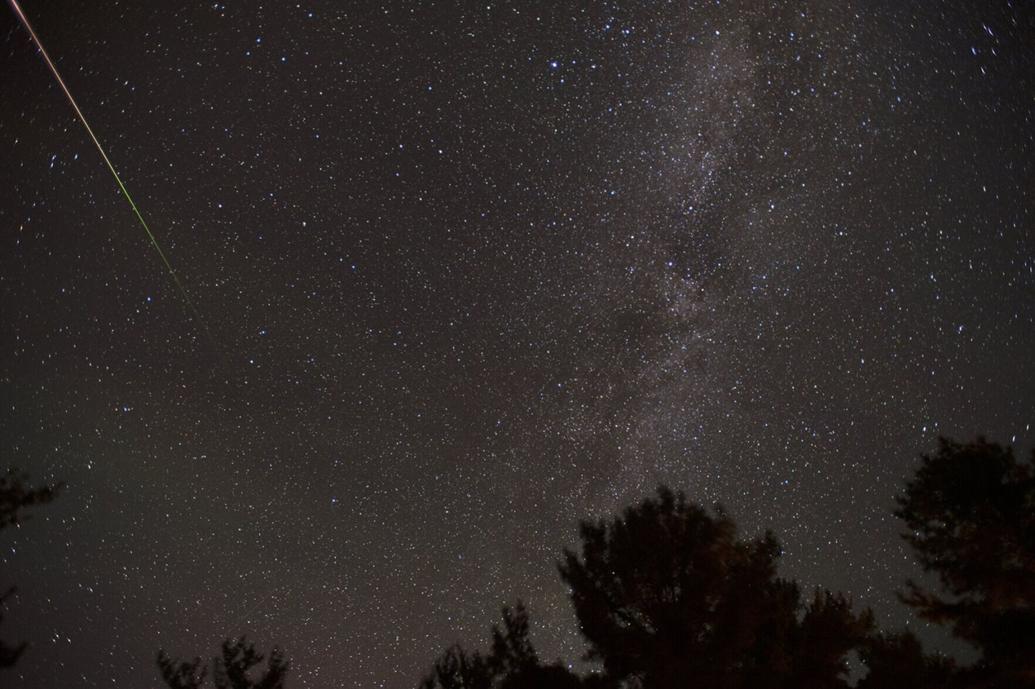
x: 667, y: 596
x: 233, y: 669
x: 970, y: 510
x: 512, y: 650
x: 512, y: 664
x: 179, y: 674
x: 15, y: 496
x: 9, y: 654
x: 823, y: 639
x: 458, y: 669
x: 898, y: 660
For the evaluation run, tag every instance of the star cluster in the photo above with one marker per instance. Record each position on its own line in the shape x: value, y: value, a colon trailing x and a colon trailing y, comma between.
x: 472, y: 272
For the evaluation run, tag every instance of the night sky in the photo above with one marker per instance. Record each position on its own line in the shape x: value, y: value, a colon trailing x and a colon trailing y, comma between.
x: 470, y: 273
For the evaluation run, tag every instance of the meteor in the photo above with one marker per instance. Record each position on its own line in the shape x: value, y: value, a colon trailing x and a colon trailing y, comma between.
x: 125, y: 192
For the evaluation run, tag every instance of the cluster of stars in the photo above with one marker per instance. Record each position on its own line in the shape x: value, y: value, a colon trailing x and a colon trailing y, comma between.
x: 472, y: 274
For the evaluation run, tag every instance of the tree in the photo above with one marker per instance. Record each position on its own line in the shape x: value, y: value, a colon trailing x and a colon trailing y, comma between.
x: 15, y: 496
x: 898, y: 660
x: 179, y: 674
x: 513, y: 662
x: 458, y: 669
x: 668, y: 596
x: 970, y: 511
x: 822, y: 640
x: 233, y: 669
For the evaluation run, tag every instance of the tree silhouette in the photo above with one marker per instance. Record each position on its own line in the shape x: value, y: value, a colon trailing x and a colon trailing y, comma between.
x: 15, y: 496
x: 233, y: 669
x: 512, y: 664
x: 821, y: 641
x: 898, y: 660
x: 970, y: 510
x: 181, y: 674
x: 458, y: 669
x: 667, y: 596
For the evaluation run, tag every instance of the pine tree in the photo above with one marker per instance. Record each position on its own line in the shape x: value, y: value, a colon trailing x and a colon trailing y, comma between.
x: 234, y: 668
x: 970, y: 511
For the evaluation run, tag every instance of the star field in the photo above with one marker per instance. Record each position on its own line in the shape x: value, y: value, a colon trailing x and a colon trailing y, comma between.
x: 470, y: 273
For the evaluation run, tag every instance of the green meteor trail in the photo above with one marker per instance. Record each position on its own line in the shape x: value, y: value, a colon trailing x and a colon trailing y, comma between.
x: 125, y: 192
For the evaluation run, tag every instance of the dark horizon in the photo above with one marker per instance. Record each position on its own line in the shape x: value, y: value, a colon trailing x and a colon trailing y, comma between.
x: 471, y: 274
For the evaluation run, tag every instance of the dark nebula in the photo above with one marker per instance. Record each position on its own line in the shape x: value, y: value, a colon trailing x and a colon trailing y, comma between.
x: 472, y: 272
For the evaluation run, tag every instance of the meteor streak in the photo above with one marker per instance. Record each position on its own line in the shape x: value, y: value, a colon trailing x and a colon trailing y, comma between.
x: 125, y: 192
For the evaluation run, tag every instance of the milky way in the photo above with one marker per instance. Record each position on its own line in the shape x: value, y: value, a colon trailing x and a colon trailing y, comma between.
x: 473, y: 274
